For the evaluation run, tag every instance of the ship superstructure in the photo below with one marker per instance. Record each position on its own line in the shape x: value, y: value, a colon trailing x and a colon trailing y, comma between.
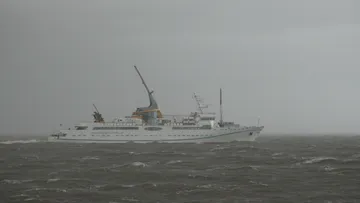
x: 148, y: 124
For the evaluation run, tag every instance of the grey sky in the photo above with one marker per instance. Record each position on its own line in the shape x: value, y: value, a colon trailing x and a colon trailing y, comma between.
x: 293, y: 63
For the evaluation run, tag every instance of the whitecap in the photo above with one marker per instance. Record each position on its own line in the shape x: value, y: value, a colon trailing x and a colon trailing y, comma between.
x: 207, y: 186
x: 259, y: 183
x: 90, y: 158
x: 353, y: 158
x: 46, y: 189
x: 34, y: 156
x: 328, y: 168
x: 277, y: 154
x: 318, y: 160
x: 173, y: 162
x: 20, y: 141
x: 139, y: 164
x: 7, y: 181
x: 53, y: 180
x: 21, y: 195
x: 129, y: 199
x: 218, y: 148
x: 30, y: 199
x: 128, y: 186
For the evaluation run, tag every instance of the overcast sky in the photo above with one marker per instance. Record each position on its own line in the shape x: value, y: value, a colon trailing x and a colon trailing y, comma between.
x: 293, y: 63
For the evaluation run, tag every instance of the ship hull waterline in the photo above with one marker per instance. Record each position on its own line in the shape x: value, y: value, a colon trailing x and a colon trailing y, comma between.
x: 225, y: 137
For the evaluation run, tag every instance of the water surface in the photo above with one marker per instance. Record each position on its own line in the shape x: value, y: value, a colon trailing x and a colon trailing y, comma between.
x: 273, y: 169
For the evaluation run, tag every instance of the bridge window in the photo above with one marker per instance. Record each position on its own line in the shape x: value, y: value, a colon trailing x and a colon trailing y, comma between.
x: 208, y: 118
x: 116, y: 128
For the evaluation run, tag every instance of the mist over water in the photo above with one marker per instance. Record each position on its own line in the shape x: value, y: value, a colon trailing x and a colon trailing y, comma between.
x: 272, y: 169
x: 294, y: 64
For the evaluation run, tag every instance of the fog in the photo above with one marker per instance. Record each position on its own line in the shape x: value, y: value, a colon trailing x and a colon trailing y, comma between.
x: 294, y: 64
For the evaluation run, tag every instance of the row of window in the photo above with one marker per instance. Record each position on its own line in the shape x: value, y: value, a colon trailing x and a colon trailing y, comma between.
x: 155, y: 128
x: 192, y: 128
x: 116, y: 128
x: 207, y: 119
x: 148, y: 128
x: 152, y: 128
x: 251, y: 133
x: 143, y: 135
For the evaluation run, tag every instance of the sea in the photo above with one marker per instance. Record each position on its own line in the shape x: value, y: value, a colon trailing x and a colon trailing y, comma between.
x: 274, y: 168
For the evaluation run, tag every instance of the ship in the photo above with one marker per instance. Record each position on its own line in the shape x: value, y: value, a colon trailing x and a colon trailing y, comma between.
x: 150, y: 125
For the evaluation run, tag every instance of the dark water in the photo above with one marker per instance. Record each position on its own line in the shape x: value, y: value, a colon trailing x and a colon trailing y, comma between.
x: 273, y: 169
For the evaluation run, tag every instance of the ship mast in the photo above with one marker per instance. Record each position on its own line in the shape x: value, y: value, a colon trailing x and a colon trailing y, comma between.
x: 221, y: 109
x: 199, y: 102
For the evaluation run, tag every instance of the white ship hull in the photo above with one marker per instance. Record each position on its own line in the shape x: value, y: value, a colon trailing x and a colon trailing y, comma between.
x: 166, y: 135
x: 148, y: 124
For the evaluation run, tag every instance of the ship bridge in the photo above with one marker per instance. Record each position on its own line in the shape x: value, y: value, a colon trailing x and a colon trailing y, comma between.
x: 207, y: 117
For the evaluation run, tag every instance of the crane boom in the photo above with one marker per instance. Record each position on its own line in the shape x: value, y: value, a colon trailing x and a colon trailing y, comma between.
x: 95, y: 108
x: 143, y: 81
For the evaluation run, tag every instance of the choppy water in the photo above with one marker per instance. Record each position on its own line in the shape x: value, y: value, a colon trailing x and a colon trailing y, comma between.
x: 273, y: 169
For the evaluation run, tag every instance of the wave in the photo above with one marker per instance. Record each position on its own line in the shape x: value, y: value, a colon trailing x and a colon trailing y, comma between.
x: 173, y: 162
x: 258, y: 183
x: 53, y: 180
x: 129, y: 199
x: 353, y: 159
x: 20, y: 141
x: 218, y: 148
x: 46, y: 189
x: 139, y: 164
x: 319, y: 160
x: 324, y: 159
x: 328, y: 168
x: 7, y: 181
x: 277, y: 154
x: 133, y: 164
x: 90, y: 158
x: 230, y: 167
x: 164, y: 153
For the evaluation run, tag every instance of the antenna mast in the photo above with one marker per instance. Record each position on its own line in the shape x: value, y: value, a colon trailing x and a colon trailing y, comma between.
x: 199, y: 102
x: 221, y: 109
